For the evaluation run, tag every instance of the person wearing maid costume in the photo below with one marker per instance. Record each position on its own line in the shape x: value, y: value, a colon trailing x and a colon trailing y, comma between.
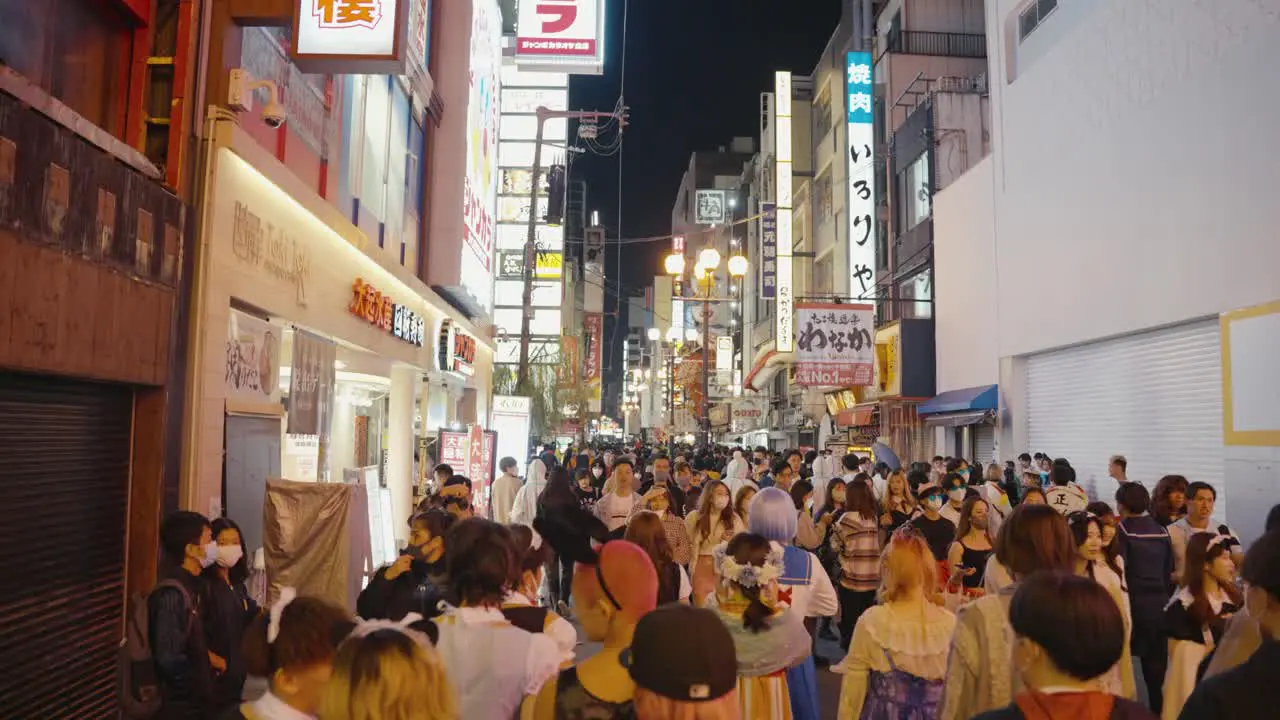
x: 804, y: 587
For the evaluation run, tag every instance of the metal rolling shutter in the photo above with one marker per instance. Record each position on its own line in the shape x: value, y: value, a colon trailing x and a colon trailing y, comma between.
x: 1155, y: 398
x: 64, y: 482
x: 984, y: 444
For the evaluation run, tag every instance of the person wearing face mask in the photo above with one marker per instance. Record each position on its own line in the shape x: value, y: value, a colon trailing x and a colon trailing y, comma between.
x: 957, y: 491
x: 1068, y: 633
x: 503, y: 495
x: 183, y: 665
x: 519, y: 606
x: 599, y: 474
x: 415, y: 582
x: 662, y: 479
x: 1249, y: 688
x: 228, y: 610
x: 938, y: 531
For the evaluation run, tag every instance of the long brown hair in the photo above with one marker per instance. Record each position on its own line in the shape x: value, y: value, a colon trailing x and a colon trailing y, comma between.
x: 705, y: 509
x: 966, y: 518
x: 1107, y: 519
x: 859, y: 498
x: 908, y: 497
x: 1160, y: 497
x: 1199, y: 557
x: 647, y: 531
x: 751, y: 549
x: 1035, y: 537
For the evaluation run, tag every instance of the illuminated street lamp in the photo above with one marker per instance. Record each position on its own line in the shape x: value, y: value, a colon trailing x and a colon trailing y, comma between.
x: 674, y: 264
x: 709, y: 258
x: 691, y: 335
x: 673, y: 334
x: 738, y: 265
x: 655, y: 334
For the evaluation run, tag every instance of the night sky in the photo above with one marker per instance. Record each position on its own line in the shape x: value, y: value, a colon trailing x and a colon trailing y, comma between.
x: 694, y: 73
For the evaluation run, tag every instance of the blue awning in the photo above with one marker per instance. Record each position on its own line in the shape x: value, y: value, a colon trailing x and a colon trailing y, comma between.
x: 986, y: 397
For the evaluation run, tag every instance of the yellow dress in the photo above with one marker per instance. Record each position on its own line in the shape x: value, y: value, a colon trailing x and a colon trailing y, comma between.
x: 763, y: 659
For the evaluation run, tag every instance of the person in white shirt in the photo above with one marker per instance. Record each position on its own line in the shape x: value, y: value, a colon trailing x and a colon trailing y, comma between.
x: 616, y: 507
x: 824, y: 469
x: 737, y: 467
x: 525, y: 507
x: 957, y: 490
x: 505, y: 489
x: 1201, y: 498
x: 519, y: 605
x: 1064, y: 495
x: 997, y: 499
x: 1104, y: 490
x: 492, y: 664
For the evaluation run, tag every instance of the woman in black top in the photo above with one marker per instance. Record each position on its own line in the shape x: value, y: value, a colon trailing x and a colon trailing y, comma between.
x: 415, y: 582
x: 973, y: 545
x: 228, y: 611
x: 587, y: 493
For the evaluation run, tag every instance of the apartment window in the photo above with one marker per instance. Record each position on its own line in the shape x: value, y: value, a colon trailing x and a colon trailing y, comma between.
x: 822, y: 197
x: 822, y: 276
x: 916, y: 296
x: 915, y: 196
x: 77, y: 51
x: 1033, y: 15
x: 822, y: 115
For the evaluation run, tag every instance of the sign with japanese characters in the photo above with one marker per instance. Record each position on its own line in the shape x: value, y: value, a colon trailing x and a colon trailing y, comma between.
x: 253, y: 358
x: 834, y: 345
x: 593, y: 324
x: 311, y: 383
x: 769, y: 251
x: 709, y: 207
x: 480, y: 182
x: 457, y: 349
x: 379, y: 310
x: 784, y: 315
x: 862, y: 177
x: 350, y: 36
x: 566, y: 35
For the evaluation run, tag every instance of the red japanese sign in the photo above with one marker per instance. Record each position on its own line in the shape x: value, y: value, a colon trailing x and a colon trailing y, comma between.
x: 594, y: 326
x: 561, y: 32
x: 379, y: 310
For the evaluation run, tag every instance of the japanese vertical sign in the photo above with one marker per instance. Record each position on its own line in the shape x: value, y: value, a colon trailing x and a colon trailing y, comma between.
x: 566, y: 34
x: 834, y: 345
x: 862, y: 177
x: 480, y: 183
x: 783, y: 329
x: 311, y: 380
x: 475, y: 468
x: 769, y: 250
x: 593, y: 324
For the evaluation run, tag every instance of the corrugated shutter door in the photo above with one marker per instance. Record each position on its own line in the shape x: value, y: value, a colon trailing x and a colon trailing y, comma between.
x: 1155, y: 398
x: 984, y: 443
x: 64, y: 481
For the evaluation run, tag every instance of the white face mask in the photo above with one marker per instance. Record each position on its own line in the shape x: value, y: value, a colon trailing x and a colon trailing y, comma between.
x: 956, y: 493
x: 933, y: 503
x: 229, y: 555
x: 210, y: 554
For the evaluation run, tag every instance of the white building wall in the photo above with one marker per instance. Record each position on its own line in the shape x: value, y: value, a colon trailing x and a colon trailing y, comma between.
x: 967, y: 311
x: 1133, y: 161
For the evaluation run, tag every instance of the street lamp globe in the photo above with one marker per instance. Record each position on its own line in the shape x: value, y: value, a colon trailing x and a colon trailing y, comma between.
x: 655, y: 334
x: 700, y: 270
x: 674, y: 264
x: 709, y: 258
x: 738, y: 265
x: 691, y: 334
x: 673, y: 334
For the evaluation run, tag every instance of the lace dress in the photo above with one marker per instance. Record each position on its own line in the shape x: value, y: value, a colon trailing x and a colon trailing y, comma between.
x: 896, y: 664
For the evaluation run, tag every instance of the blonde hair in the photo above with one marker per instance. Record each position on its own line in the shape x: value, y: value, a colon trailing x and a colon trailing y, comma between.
x: 908, y: 497
x: 651, y: 706
x: 388, y: 674
x: 907, y: 562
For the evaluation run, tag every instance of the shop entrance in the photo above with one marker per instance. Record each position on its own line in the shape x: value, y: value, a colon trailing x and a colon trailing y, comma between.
x: 64, y: 485
x: 253, y: 455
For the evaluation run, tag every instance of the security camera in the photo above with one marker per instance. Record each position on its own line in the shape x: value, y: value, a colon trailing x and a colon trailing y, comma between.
x: 240, y: 92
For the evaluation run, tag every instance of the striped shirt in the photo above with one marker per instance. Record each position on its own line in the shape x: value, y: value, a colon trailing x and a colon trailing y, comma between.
x: 856, y: 541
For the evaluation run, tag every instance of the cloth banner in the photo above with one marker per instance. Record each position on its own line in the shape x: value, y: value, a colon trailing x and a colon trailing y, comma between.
x: 311, y: 382
x: 316, y: 539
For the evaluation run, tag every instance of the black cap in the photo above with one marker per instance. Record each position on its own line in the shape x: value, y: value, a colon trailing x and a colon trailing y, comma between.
x: 683, y: 653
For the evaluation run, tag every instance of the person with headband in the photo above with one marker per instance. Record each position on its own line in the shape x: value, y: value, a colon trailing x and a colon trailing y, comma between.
x: 385, y: 671
x: 1195, y: 618
x: 293, y: 647
x: 768, y: 638
x: 804, y: 586
x: 700, y: 682
x: 609, y: 596
x: 492, y: 664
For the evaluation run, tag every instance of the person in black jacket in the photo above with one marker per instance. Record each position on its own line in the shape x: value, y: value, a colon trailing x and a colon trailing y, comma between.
x: 1068, y: 632
x: 228, y: 610
x: 174, y: 610
x: 1148, y: 568
x: 1250, y: 690
x: 415, y: 582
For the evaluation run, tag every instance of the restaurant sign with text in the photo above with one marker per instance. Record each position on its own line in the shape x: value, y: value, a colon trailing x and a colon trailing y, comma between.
x: 563, y: 35
x: 379, y: 310
x: 457, y: 349
x: 834, y: 345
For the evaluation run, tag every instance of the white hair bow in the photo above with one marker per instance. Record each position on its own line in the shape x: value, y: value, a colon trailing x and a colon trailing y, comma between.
x: 287, y: 595
x: 366, y: 627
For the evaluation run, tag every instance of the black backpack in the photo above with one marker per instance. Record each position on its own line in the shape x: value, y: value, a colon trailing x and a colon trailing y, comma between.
x: 139, y: 690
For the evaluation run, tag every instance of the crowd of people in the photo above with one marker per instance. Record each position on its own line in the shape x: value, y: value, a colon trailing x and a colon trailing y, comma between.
x: 708, y: 577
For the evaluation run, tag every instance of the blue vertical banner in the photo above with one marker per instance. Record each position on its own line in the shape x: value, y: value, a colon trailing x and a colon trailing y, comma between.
x: 769, y: 250
x: 860, y: 154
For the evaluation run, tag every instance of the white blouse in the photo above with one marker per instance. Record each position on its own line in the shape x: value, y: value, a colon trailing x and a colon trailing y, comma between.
x: 493, y: 664
x: 917, y: 643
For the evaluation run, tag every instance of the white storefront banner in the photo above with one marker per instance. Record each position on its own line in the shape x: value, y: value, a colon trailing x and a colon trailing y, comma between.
x: 834, y: 345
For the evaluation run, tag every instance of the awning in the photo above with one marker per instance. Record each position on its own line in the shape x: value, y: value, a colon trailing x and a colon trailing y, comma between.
x: 767, y: 363
x: 860, y: 416
x: 986, y: 397
x: 959, y: 419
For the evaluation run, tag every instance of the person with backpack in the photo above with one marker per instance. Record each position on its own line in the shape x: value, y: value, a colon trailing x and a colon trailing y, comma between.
x: 184, y: 669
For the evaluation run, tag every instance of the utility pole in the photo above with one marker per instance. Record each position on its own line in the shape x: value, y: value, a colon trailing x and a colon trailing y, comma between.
x: 530, y: 246
x: 706, y: 361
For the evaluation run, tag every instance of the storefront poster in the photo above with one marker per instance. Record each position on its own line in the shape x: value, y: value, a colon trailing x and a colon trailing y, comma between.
x: 834, y: 345
x: 480, y: 184
x: 456, y: 450
x: 252, y: 359
x: 593, y: 323
x: 311, y: 381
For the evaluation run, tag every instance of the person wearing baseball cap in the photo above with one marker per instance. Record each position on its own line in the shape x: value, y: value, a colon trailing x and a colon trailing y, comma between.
x: 938, y: 531
x: 683, y: 662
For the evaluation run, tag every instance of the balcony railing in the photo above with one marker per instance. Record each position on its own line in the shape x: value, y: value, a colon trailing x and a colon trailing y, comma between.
x: 911, y: 248
x: 965, y: 45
